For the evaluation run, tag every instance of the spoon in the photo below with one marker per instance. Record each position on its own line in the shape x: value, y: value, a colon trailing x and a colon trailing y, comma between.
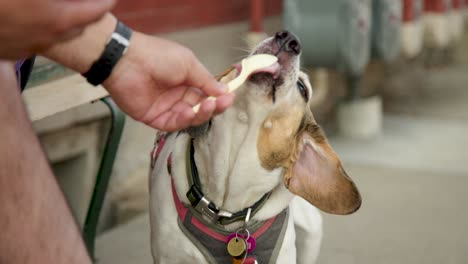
x: 249, y: 66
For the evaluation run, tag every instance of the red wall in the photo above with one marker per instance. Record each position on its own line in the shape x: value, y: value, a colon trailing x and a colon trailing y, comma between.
x: 154, y: 16
x: 438, y: 6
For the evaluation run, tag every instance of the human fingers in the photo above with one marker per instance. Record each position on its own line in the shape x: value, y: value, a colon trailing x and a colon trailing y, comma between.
x: 206, y: 111
x: 200, y: 77
x: 181, y: 116
x: 208, y: 108
x: 223, y: 102
x: 173, y: 120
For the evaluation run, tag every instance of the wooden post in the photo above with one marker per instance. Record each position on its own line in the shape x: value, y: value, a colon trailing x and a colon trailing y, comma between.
x: 256, y: 16
x: 256, y: 34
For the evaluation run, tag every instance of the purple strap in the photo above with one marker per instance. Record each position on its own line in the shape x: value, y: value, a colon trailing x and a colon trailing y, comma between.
x: 18, y: 65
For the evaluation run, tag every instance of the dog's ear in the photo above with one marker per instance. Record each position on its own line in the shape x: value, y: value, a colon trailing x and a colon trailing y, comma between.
x: 316, y: 174
x: 202, y: 129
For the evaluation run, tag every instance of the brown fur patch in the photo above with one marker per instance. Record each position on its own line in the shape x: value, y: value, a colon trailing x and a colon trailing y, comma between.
x: 326, y: 184
x: 277, y: 136
x: 312, y: 170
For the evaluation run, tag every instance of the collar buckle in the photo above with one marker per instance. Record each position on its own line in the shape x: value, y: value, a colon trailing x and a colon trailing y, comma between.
x: 205, y: 207
x: 210, y: 211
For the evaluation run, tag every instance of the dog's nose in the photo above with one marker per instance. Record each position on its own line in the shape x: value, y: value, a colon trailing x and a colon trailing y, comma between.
x: 288, y: 42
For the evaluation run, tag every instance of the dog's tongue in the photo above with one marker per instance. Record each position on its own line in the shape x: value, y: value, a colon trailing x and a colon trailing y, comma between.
x: 274, y: 70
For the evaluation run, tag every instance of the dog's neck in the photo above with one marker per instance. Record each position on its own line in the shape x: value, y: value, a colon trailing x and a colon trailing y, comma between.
x: 228, y: 165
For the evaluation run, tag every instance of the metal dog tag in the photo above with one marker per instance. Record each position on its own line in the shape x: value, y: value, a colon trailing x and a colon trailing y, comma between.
x: 237, y: 247
x: 250, y: 240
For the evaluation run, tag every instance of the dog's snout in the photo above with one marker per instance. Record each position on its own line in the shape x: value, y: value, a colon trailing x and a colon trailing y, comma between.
x: 288, y: 42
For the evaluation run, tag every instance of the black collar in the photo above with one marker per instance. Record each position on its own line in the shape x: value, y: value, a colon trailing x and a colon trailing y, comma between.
x: 207, y: 208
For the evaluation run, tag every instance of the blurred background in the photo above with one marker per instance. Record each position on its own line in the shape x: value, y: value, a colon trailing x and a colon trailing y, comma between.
x: 390, y: 83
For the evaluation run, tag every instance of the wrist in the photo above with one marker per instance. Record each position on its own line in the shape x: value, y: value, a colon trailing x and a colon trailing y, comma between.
x: 116, y: 46
x: 81, y: 52
x: 127, y: 63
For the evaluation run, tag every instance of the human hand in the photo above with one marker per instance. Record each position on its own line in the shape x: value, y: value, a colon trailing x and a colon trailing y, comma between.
x: 158, y: 82
x: 31, y: 26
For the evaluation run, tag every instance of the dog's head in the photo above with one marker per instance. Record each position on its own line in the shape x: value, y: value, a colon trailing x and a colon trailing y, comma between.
x: 277, y: 102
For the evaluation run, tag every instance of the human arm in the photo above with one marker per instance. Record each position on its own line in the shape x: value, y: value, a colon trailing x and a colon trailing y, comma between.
x: 31, y: 26
x: 156, y: 81
x: 36, y: 224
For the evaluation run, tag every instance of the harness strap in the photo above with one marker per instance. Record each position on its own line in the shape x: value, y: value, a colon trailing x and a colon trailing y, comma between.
x: 23, y: 71
x: 195, y: 195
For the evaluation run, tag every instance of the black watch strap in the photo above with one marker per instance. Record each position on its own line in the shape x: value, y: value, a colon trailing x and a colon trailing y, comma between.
x: 115, y: 48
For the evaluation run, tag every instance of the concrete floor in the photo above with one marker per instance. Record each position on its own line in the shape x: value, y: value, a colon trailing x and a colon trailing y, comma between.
x: 407, y: 216
x: 413, y: 178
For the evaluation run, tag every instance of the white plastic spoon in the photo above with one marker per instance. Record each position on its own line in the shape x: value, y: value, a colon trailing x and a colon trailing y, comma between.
x: 249, y: 66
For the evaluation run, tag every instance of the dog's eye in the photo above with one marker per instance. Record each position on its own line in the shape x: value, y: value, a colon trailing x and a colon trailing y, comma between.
x: 303, y: 89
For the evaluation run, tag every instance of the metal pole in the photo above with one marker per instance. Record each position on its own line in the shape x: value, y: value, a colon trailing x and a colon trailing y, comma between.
x: 104, y: 173
x: 354, y: 87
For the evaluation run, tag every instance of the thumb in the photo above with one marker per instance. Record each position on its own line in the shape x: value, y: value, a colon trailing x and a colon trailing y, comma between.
x: 80, y: 13
x: 201, y: 78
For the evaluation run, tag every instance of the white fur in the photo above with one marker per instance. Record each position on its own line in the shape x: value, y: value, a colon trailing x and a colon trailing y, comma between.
x: 232, y: 177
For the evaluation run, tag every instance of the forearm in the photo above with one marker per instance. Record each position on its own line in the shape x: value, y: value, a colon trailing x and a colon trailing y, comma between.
x: 36, y: 224
x: 79, y: 53
x: 156, y: 81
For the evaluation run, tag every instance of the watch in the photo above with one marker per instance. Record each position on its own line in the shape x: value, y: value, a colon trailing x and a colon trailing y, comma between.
x: 116, y: 47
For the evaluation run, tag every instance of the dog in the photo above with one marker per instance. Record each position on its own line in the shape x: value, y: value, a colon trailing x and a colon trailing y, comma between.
x: 255, y: 174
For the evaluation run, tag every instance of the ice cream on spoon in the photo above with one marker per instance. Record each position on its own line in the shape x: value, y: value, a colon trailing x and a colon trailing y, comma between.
x: 253, y: 64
